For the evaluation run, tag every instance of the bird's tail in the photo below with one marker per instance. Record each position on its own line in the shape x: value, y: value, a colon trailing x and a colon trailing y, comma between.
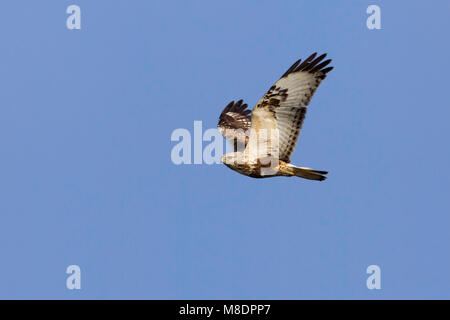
x: 302, y: 172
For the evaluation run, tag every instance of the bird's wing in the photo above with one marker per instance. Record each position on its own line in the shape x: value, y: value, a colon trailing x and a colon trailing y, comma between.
x: 234, y: 122
x: 284, y: 106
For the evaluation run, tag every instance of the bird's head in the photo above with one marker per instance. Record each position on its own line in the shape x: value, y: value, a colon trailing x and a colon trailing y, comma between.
x: 232, y: 159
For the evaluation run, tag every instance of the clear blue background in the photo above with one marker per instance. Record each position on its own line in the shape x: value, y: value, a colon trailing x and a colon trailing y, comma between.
x: 86, y: 176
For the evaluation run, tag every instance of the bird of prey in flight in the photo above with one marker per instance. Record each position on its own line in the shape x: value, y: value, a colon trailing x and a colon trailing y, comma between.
x: 264, y: 138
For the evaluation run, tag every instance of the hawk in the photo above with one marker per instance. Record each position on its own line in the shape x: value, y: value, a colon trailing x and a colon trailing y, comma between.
x: 265, y: 137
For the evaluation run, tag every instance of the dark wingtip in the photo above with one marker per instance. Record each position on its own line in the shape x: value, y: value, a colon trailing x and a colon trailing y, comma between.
x: 326, y: 70
x: 312, y: 64
x: 237, y: 107
x: 228, y: 107
x: 292, y: 68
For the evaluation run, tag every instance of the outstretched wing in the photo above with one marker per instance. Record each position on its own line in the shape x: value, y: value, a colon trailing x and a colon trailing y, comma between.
x: 284, y: 106
x: 234, y: 122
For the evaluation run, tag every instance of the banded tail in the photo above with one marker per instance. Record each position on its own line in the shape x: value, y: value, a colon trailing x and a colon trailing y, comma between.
x: 302, y: 172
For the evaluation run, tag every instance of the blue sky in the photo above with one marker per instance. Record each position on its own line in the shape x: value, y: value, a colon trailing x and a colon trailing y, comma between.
x: 87, y: 179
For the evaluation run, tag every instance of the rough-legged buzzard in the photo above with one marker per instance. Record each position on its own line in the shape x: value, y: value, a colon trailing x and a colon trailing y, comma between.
x: 264, y: 138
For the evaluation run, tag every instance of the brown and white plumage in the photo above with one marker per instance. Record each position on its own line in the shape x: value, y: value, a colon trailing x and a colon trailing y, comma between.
x: 282, y: 111
x: 234, y: 122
